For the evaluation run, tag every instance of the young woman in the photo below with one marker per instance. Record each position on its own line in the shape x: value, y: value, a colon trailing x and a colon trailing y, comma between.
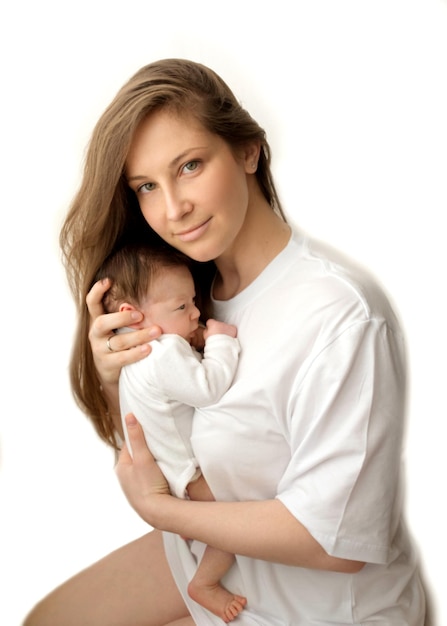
x: 303, y: 452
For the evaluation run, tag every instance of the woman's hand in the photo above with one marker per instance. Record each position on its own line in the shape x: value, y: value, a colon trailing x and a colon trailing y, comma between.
x: 139, y: 475
x: 110, y: 351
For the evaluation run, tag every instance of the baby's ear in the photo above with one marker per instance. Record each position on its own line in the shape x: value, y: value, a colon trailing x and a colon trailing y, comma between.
x: 125, y: 306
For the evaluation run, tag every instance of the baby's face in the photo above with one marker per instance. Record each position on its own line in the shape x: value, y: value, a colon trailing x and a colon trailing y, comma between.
x: 171, y: 303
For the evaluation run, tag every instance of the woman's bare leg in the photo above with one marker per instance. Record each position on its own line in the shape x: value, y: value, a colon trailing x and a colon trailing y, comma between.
x: 131, y: 586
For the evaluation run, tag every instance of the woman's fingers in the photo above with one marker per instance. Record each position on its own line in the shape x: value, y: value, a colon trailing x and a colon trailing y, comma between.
x: 118, y: 342
x: 104, y: 324
x: 138, y: 473
x: 95, y: 296
x: 140, y: 450
x: 111, y: 351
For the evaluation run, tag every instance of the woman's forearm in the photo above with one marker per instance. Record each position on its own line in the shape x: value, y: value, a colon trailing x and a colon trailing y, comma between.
x: 263, y: 530
x: 260, y: 529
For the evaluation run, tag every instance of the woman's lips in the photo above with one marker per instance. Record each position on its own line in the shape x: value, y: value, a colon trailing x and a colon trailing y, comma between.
x: 193, y: 233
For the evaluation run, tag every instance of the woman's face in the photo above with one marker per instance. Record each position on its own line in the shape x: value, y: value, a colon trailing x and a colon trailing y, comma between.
x: 191, y: 187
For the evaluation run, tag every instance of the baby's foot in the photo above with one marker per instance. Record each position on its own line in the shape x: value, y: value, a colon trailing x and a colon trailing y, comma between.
x: 218, y: 600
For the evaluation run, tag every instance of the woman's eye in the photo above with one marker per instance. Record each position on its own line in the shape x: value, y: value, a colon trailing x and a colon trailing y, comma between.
x: 146, y: 188
x: 191, y: 166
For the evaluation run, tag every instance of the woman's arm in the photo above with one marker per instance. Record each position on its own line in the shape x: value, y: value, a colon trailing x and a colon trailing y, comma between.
x: 262, y: 529
x: 127, y: 347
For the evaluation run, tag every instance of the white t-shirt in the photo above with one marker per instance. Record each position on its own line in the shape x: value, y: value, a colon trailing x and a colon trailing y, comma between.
x: 314, y: 417
x: 162, y: 390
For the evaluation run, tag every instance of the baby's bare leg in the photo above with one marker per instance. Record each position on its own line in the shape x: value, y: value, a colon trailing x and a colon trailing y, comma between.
x: 206, y: 589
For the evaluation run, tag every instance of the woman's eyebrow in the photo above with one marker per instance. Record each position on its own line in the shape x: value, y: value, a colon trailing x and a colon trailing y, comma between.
x: 172, y: 164
x: 129, y: 179
x: 185, y: 153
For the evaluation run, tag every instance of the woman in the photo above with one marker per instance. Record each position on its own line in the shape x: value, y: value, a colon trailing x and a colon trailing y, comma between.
x: 303, y: 452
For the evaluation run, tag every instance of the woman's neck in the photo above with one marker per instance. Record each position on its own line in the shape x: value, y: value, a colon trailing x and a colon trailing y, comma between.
x: 262, y: 237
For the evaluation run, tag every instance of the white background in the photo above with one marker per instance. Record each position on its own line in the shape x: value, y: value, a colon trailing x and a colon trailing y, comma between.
x: 353, y: 95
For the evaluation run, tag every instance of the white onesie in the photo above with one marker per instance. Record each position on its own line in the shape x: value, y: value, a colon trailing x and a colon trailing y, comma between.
x: 162, y: 391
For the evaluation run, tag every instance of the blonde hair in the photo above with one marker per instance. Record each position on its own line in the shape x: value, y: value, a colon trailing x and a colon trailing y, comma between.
x: 105, y: 215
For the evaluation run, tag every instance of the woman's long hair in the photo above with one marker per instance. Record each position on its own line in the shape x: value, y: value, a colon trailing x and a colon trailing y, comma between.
x: 105, y: 215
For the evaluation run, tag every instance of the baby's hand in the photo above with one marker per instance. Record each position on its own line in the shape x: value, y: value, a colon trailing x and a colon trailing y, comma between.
x: 214, y: 327
x: 198, y: 340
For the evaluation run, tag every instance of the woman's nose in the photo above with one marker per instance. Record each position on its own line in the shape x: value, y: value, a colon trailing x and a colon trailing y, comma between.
x: 176, y: 205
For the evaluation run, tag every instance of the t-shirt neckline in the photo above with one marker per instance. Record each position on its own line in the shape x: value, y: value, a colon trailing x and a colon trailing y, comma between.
x: 265, y: 279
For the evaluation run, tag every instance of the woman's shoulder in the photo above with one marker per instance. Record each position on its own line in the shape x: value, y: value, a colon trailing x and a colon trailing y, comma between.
x: 335, y: 278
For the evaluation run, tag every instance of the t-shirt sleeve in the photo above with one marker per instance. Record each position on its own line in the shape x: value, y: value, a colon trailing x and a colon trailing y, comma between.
x: 345, y: 423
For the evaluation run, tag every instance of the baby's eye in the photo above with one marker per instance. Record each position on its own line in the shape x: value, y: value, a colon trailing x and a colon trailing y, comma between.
x: 182, y: 307
x: 146, y: 188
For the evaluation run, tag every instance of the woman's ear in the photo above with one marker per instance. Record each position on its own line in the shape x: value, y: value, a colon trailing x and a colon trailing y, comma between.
x: 125, y: 306
x: 251, y: 157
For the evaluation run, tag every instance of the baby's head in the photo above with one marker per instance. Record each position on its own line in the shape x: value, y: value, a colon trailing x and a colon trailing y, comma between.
x: 155, y: 281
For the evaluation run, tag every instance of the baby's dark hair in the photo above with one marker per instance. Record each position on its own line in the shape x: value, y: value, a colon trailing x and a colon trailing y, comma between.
x: 131, y: 270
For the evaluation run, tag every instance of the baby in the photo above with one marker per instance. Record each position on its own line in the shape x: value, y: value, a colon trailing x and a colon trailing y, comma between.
x: 163, y: 389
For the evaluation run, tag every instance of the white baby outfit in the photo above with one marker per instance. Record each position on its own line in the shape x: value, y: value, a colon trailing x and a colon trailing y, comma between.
x: 161, y: 391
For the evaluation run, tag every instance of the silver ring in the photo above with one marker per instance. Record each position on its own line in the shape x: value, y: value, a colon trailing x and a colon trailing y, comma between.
x: 109, y: 347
